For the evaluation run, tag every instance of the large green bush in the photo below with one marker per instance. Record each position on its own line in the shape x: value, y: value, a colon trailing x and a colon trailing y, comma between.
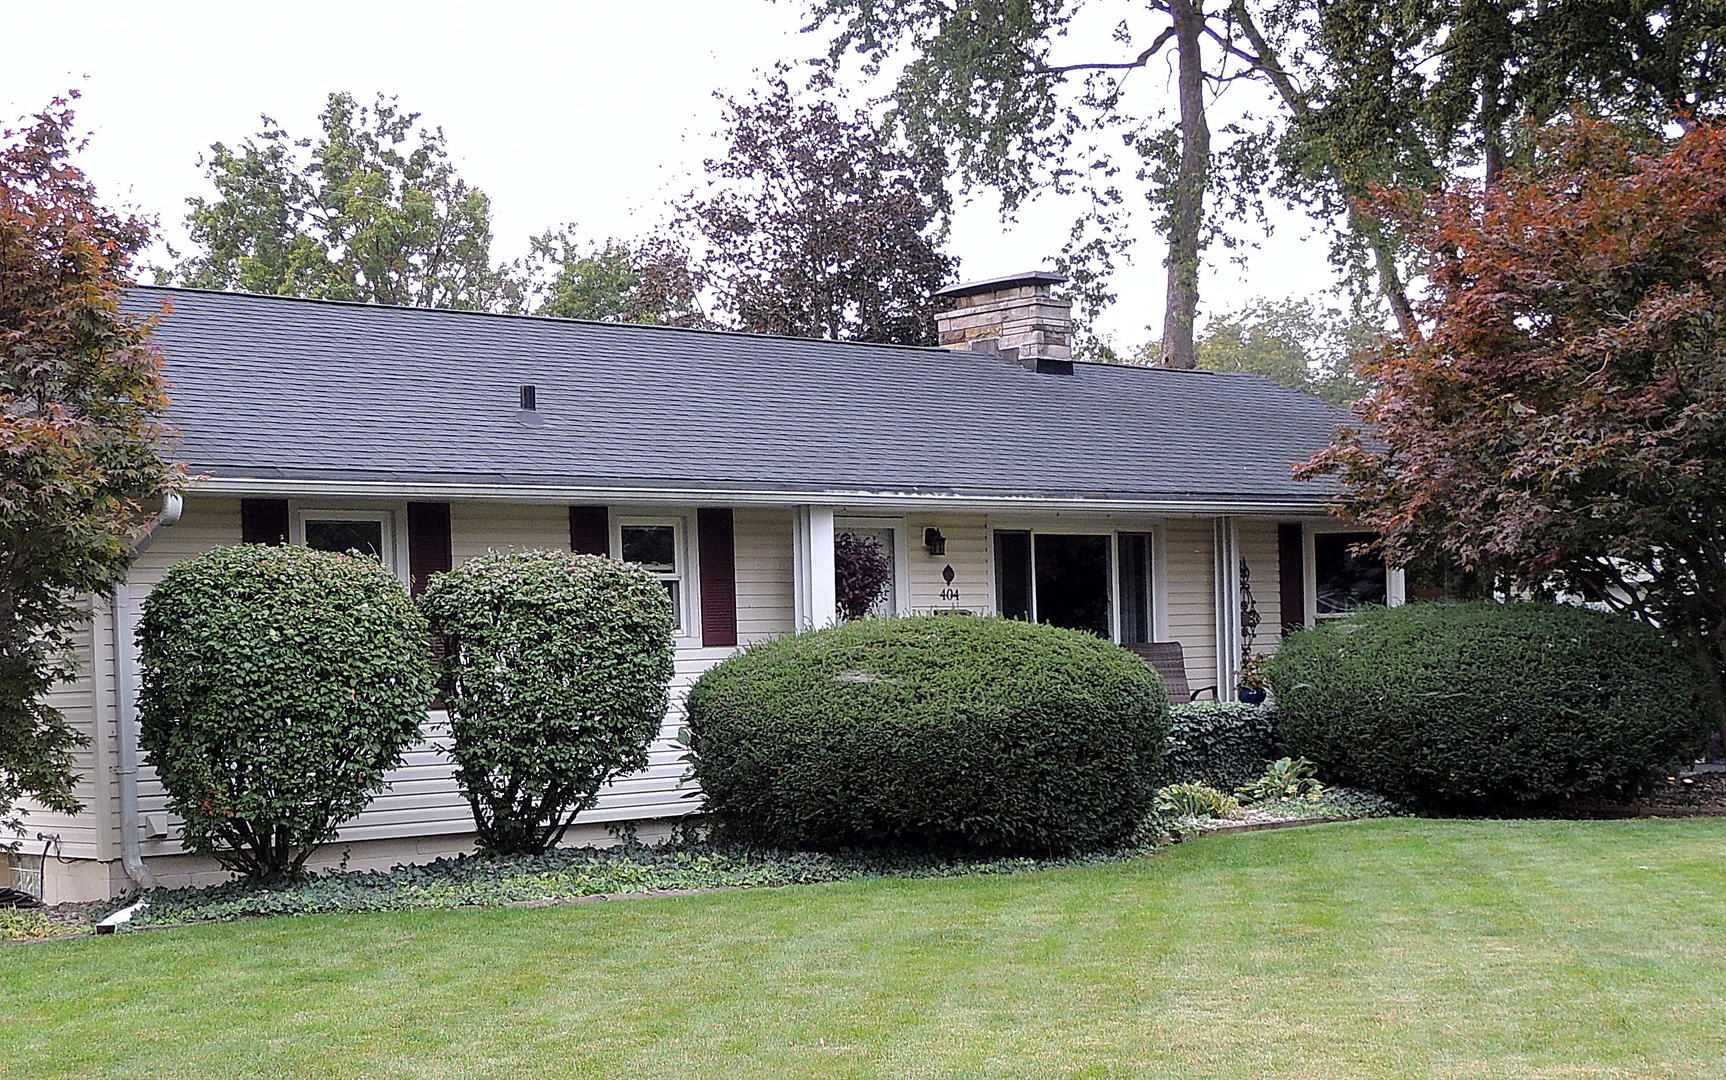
x: 555, y: 674
x: 947, y: 731
x: 279, y: 684
x: 1223, y: 744
x: 1486, y: 705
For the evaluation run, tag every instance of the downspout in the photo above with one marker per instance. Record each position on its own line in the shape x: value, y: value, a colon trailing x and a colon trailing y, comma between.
x: 126, y: 700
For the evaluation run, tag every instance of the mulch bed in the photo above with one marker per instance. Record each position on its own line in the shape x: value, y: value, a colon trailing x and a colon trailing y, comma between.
x: 69, y: 920
x: 81, y: 916
x: 1253, y: 819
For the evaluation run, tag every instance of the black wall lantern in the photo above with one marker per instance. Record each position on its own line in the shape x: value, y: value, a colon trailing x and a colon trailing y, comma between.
x: 933, y: 542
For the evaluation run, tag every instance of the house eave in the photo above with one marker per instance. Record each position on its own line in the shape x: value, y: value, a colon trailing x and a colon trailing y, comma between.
x: 517, y: 489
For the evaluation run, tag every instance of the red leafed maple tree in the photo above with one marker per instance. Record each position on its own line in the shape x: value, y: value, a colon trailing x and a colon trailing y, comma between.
x: 81, y: 458
x: 1560, y: 421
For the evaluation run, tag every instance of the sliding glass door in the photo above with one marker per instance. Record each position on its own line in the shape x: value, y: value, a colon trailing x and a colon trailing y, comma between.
x: 1071, y: 572
x: 1138, y: 620
x: 1071, y: 580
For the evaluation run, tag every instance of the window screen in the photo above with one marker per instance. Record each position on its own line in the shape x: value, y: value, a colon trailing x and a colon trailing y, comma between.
x: 365, y: 537
x: 1013, y: 574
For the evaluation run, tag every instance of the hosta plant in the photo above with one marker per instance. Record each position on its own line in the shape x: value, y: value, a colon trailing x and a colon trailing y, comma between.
x: 1284, y: 778
x: 1196, y: 801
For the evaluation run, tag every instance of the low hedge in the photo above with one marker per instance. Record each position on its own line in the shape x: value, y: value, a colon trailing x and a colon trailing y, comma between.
x: 950, y: 732
x: 1223, y: 744
x: 1484, y: 706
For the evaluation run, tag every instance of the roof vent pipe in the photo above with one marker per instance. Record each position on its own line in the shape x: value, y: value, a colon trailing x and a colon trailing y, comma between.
x: 529, y: 397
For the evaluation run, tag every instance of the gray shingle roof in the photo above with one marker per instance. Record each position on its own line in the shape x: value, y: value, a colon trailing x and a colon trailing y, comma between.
x: 286, y: 389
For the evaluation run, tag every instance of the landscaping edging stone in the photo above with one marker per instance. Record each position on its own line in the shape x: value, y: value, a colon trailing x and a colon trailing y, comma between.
x: 1228, y: 827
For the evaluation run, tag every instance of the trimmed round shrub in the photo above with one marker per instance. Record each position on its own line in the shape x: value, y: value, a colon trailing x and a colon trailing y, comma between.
x: 1485, y: 705
x: 1220, y: 743
x: 947, y: 731
x: 279, y: 684
x: 555, y: 674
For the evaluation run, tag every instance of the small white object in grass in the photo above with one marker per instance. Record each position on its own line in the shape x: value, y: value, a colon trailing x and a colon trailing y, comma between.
x: 119, y: 918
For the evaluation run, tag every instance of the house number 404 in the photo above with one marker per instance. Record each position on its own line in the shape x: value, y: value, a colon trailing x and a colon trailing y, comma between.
x: 948, y: 594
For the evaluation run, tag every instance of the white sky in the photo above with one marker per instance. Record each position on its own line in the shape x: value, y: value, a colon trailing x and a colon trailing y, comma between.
x: 592, y: 111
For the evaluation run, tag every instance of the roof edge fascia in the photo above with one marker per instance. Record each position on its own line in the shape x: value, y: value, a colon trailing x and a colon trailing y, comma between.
x: 515, y: 492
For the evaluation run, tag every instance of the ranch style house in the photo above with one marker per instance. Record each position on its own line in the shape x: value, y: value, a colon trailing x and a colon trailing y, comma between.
x: 1141, y: 504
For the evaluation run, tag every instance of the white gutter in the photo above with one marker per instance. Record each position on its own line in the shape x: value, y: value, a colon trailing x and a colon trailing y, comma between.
x: 126, y: 698
x: 399, y: 489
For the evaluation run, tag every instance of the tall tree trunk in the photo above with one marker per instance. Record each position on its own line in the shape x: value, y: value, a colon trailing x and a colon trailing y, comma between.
x: 1187, y: 202
x: 1491, y: 136
x: 1710, y: 649
x: 1390, y: 282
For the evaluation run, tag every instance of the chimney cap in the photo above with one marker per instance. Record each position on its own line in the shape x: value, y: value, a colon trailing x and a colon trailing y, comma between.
x: 1006, y: 281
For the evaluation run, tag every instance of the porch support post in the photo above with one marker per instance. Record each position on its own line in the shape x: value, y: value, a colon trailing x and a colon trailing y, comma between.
x: 1395, y: 587
x: 1227, y: 573
x: 816, y: 600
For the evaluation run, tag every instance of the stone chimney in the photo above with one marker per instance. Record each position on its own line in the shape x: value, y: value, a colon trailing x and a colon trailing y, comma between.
x: 1017, y: 316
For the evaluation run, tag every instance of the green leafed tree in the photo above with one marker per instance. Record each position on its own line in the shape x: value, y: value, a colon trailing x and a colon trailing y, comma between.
x: 651, y: 281
x: 81, y: 458
x: 1327, y: 100
x: 998, y: 88
x: 370, y: 209
x: 1294, y: 342
x: 1424, y: 95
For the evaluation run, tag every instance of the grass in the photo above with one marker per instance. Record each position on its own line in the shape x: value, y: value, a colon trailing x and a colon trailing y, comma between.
x: 1396, y: 948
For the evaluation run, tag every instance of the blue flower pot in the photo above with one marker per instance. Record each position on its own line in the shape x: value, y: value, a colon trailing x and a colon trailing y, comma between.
x: 1252, y: 697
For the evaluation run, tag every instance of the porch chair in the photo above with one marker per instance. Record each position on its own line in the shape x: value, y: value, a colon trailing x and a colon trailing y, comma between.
x: 1170, y: 661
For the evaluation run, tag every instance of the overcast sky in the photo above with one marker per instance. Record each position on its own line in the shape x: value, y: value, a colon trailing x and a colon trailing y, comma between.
x: 592, y: 111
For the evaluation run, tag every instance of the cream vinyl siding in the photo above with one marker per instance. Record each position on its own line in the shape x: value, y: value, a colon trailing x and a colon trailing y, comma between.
x: 1258, y: 542
x: 420, y: 797
x: 1189, y: 594
x: 476, y: 528
x: 970, y: 552
x: 762, y: 546
x: 80, y: 835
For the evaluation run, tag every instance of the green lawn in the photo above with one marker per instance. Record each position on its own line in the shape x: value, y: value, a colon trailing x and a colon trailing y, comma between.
x: 1378, y: 949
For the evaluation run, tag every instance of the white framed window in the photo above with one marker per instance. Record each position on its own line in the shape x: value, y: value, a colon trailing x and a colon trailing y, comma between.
x: 373, y: 532
x: 890, y: 534
x: 660, y: 545
x: 1341, y: 578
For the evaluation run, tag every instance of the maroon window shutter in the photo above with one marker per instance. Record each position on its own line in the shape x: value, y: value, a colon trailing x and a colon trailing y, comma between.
x: 264, y: 521
x: 1291, y: 572
x: 428, y: 543
x: 429, y: 552
x: 589, y: 530
x: 717, y: 554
